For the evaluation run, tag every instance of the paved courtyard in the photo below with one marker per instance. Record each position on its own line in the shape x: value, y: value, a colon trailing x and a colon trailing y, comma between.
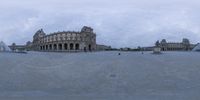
x: 100, y: 76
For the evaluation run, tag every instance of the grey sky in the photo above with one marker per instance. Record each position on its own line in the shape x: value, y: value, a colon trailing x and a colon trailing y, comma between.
x: 119, y: 23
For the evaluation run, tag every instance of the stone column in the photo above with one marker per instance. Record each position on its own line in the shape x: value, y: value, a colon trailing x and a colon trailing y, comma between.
x: 74, y: 46
x: 57, y: 49
x: 49, y: 47
x: 68, y: 47
x: 63, y: 47
x: 46, y: 46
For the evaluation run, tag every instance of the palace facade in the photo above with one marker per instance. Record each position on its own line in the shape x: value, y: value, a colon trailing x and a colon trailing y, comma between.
x: 185, y: 45
x: 85, y: 40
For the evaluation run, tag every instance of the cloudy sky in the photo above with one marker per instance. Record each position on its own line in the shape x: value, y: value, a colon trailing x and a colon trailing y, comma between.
x: 120, y: 23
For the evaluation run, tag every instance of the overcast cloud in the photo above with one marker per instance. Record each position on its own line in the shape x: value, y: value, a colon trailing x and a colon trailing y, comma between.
x: 120, y: 23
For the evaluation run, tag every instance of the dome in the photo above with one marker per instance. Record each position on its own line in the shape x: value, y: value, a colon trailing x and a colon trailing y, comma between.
x: 3, y: 47
x: 163, y: 41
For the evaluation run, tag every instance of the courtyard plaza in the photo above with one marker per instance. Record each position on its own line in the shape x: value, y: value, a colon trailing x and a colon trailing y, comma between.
x: 100, y: 76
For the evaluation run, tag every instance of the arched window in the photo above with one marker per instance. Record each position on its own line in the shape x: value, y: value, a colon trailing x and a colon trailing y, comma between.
x: 71, y: 46
x: 47, y: 48
x: 43, y: 47
x: 90, y: 47
x: 65, y: 46
x: 50, y: 47
x: 77, y: 46
x: 55, y: 46
x: 60, y: 46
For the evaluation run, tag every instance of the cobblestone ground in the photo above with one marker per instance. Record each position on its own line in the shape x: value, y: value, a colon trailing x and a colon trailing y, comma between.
x: 100, y: 76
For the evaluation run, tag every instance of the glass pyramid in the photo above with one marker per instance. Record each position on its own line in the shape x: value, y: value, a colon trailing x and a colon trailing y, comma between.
x: 4, y: 47
x: 196, y: 48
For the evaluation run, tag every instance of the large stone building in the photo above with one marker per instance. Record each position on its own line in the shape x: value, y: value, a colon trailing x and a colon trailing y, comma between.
x: 185, y: 45
x: 103, y: 47
x: 15, y: 47
x: 85, y: 40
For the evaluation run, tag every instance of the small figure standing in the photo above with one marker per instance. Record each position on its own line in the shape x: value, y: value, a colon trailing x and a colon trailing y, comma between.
x: 119, y: 53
